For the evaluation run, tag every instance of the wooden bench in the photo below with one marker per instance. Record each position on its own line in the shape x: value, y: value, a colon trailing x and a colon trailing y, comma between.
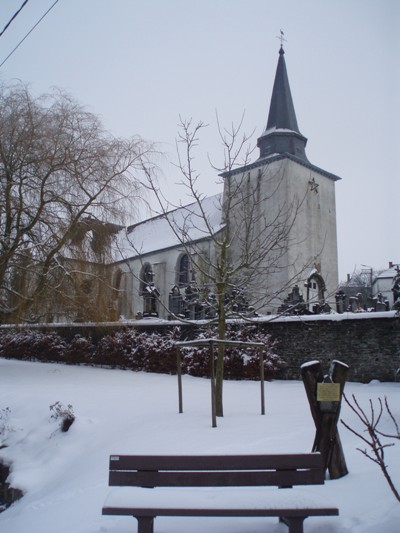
x: 151, y: 486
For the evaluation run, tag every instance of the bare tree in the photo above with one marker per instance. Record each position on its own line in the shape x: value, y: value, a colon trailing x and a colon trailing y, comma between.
x: 58, y: 167
x: 250, y: 243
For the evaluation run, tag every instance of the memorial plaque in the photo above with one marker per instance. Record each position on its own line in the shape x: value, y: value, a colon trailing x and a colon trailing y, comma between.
x: 328, y: 392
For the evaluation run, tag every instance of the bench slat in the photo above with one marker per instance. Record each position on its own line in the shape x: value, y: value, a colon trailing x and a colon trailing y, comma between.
x: 217, y: 499
x: 215, y: 462
x: 216, y: 479
x: 162, y: 511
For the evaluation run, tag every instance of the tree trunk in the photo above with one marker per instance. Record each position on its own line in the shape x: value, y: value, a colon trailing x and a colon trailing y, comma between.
x: 219, y: 374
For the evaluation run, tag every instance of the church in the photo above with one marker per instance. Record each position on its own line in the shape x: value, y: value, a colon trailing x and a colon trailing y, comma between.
x: 269, y: 238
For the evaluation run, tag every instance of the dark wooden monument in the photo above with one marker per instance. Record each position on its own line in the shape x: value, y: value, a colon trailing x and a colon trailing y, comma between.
x: 324, y: 393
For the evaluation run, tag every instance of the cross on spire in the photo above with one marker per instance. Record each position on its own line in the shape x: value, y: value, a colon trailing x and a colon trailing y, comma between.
x: 281, y: 37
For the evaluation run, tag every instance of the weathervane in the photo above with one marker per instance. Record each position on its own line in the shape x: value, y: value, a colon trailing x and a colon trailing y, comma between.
x: 281, y: 37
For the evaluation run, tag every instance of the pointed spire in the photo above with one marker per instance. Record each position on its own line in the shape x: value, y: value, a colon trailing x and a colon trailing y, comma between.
x: 281, y: 111
x: 282, y: 133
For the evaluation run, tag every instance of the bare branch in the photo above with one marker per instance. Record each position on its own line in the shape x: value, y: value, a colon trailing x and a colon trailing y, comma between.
x: 373, y: 442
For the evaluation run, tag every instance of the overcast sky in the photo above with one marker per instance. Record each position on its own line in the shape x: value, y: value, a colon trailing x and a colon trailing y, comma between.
x: 141, y: 64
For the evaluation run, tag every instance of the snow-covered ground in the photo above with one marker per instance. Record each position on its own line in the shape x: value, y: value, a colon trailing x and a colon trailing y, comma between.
x: 65, y: 475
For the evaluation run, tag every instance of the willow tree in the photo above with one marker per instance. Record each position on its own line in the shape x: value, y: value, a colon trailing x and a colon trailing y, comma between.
x: 58, y: 168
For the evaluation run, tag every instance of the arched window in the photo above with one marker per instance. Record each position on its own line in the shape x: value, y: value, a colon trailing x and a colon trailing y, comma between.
x: 146, y: 277
x: 183, y: 270
x: 116, y: 284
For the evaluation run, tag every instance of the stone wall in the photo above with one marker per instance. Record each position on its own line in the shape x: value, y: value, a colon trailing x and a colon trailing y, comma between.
x: 368, y: 342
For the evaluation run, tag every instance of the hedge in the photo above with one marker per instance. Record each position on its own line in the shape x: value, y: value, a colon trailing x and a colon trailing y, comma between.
x: 143, y: 351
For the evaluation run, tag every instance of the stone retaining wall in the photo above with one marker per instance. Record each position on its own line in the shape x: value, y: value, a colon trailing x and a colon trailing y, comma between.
x: 368, y: 342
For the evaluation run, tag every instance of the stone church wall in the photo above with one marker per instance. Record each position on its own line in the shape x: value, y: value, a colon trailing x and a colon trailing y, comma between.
x: 314, y: 234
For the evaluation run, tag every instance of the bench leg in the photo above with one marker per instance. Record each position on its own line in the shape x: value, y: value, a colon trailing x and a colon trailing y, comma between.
x: 294, y: 523
x: 145, y: 524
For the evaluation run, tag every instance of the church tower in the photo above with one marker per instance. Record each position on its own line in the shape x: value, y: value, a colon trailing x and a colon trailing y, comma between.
x: 293, y: 202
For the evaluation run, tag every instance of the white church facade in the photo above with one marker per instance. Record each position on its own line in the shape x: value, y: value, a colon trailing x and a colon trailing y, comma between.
x: 168, y: 262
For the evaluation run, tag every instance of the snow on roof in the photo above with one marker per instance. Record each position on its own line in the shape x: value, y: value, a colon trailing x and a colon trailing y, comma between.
x: 389, y: 273
x: 274, y: 129
x: 191, y: 223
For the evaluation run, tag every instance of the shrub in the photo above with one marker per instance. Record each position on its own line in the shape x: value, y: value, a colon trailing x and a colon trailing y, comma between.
x: 79, y: 350
x: 155, y: 352
x: 65, y: 415
x: 17, y: 344
x: 114, y: 350
x: 49, y: 347
x: 30, y: 344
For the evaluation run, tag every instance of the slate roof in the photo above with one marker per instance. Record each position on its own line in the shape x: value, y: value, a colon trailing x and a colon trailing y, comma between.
x: 156, y: 234
x: 282, y: 134
x: 281, y: 111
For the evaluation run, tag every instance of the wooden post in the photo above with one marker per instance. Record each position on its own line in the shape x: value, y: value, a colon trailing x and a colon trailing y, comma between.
x: 179, y: 374
x: 326, y: 414
x: 312, y: 375
x: 145, y: 524
x: 337, y: 462
x: 261, y: 355
x: 213, y: 398
x: 211, y: 344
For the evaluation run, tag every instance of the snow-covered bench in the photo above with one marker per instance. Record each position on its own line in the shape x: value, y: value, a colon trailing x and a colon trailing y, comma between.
x: 217, y: 485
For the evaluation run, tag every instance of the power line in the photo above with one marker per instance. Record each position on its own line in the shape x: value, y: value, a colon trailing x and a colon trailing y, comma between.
x: 29, y: 32
x: 14, y: 17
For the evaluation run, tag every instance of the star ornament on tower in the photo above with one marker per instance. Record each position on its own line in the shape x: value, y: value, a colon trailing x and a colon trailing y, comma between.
x: 313, y: 185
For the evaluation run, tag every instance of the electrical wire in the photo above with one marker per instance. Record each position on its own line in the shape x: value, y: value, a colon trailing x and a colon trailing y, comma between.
x: 14, y: 17
x: 29, y: 32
